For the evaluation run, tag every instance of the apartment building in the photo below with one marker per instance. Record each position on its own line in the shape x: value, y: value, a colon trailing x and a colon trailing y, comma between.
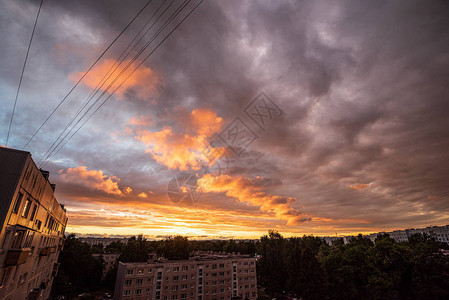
x: 205, y: 276
x: 105, y: 241
x: 32, y: 225
x: 439, y: 233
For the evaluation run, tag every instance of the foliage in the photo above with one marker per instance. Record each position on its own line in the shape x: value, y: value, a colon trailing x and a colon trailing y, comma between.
x: 307, y: 268
x: 79, y: 270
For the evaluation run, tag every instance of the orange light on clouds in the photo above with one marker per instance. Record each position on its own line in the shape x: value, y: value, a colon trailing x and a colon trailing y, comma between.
x: 358, y: 186
x: 144, y: 80
x: 93, y: 179
x: 244, y: 190
x: 181, y: 150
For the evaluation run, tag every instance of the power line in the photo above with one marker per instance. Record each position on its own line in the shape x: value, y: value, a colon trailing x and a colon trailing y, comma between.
x: 160, y: 43
x: 108, y: 74
x: 23, y: 70
x: 84, y: 75
x: 48, y: 153
x: 174, y: 14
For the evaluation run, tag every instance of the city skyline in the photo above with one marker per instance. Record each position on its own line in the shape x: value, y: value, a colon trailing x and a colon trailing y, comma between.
x: 343, y: 105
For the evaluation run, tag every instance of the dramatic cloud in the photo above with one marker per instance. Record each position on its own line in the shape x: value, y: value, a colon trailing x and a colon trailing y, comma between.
x: 143, y: 195
x: 358, y: 186
x: 110, y: 75
x: 181, y: 150
x: 361, y: 146
x: 245, y: 190
x: 93, y: 179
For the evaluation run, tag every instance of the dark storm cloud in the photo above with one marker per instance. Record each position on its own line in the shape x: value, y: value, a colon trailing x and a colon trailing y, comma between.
x: 363, y: 87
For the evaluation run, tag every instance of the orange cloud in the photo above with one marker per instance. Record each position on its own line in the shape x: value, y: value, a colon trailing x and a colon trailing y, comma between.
x: 143, y: 195
x: 358, y: 186
x: 144, y: 79
x: 184, y: 151
x: 141, y: 121
x: 245, y: 190
x: 93, y: 179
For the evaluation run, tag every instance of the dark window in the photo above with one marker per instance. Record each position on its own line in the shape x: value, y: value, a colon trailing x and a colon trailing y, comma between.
x: 17, y: 240
x: 33, y: 213
x: 5, y: 276
x: 18, y: 202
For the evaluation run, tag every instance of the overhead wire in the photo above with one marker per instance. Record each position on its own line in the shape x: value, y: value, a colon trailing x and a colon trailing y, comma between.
x: 23, y: 71
x: 160, y: 43
x: 84, y: 75
x: 109, y: 73
x: 115, y: 79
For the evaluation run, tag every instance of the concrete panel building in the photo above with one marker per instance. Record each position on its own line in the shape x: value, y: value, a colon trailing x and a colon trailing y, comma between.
x: 32, y: 225
x: 205, y: 276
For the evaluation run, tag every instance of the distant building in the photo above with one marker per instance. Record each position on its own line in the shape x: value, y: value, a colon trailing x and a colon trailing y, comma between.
x: 105, y: 241
x: 205, y: 276
x: 32, y: 228
x: 331, y: 240
x: 439, y: 233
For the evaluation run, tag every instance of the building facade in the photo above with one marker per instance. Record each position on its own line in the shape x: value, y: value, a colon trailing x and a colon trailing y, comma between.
x: 438, y: 233
x: 205, y: 276
x: 105, y: 241
x: 32, y: 226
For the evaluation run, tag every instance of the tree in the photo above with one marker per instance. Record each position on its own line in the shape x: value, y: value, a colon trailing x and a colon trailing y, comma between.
x: 175, y: 248
x: 271, y: 268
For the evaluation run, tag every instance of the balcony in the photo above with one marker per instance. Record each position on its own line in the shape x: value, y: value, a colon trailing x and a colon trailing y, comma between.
x: 47, y: 251
x: 44, y: 252
x: 17, y: 256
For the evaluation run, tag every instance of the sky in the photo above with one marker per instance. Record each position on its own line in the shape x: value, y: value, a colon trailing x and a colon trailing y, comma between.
x: 307, y: 117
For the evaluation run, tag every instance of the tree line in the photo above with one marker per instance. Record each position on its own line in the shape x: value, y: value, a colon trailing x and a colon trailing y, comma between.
x: 307, y: 268
x: 299, y: 267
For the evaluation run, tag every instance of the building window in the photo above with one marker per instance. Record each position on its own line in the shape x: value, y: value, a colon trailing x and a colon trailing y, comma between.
x: 174, y: 288
x: 129, y: 272
x: 175, y: 269
x: 148, y: 290
x: 139, y: 271
x: 139, y: 281
x: 29, y: 239
x: 126, y: 292
x: 26, y: 208
x: 33, y: 214
x: 183, y: 296
x: 17, y: 239
x: 5, y: 276
x: 174, y: 297
x: 128, y: 281
x: 17, y: 204
x: 138, y: 292
x: 175, y: 278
